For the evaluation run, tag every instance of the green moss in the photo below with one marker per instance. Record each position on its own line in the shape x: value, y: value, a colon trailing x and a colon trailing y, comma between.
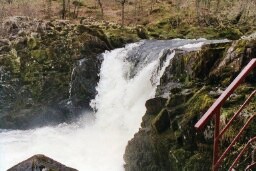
x: 39, y: 55
x: 199, y: 103
x: 32, y: 43
x: 197, y: 32
x: 199, y: 161
x: 240, y: 46
x: 119, y: 37
x: 162, y: 23
x: 230, y: 33
x: 174, y: 26
x: 11, y: 63
x: 162, y: 121
x: 177, y: 158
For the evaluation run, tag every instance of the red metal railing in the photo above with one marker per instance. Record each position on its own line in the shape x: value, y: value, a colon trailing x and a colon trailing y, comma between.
x: 240, y: 155
x: 214, y: 111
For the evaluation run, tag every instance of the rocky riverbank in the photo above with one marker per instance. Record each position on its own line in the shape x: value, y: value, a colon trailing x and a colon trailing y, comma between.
x: 48, y: 69
x: 167, y: 139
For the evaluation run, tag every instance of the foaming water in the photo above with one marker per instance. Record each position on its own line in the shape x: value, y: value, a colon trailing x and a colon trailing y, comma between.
x: 97, y: 142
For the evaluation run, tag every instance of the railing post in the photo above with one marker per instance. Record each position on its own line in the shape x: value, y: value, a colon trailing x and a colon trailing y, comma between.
x: 216, y: 139
x: 214, y: 111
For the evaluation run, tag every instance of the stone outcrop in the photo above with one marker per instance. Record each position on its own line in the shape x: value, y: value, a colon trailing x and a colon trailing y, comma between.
x: 37, y: 57
x: 39, y: 163
x: 167, y: 139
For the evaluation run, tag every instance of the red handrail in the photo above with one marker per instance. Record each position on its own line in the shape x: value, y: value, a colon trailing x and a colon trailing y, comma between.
x: 233, y: 142
x: 251, y: 166
x: 241, y: 153
x: 214, y: 110
x: 237, y: 113
x: 231, y: 88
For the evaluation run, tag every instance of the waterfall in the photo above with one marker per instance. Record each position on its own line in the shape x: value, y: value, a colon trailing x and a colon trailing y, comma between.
x: 70, y: 87
x: 77, y: 64
x: 128, y: 77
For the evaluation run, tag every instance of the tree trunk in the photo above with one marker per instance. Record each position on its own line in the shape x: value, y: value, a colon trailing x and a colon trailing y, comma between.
x: 197, y: 8
x: 63, y: 9
x: 123, y: 2
x: 9, y: 1
x: 49, y: 8
x: 77, y: 11
x: 151, y: 6
x: 101, y: 7
x: 217, y: 6
x: 74, y: 12
x: 136, y: 11
x: 68, y: 8
x: 140, y: 6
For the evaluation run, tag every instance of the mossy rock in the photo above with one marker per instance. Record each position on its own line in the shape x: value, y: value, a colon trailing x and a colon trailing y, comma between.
x: 142, y: 33
x: 199, y: 161
x: 155, y: 105
x: 10, y: 62
x: 230, y: 33
x: 162, y: 121
x: 20, y: 44
x: 32, y: 43
x: 39, y: 55
x: 177, y: 158
x: 197, y: 105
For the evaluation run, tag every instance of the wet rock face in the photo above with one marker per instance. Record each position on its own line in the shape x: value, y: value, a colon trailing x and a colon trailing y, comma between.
x: 155, y: 105
x: 147, y: 157
x: 36, y: 62
x: 84, y: 80
x: 40, y: 163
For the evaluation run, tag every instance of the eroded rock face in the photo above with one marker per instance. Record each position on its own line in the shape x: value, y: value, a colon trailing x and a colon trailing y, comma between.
x: 37, y: 58
x: 84, y: 80
x: 40, y: 163
x: 36, y: 62
x: 238, y: 55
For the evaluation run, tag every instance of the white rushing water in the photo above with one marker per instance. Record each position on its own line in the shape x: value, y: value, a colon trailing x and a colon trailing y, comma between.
x: 98, y: 141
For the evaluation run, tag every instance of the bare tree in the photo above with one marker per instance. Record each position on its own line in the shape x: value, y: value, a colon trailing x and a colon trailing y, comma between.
x: 101, y: 7
x: 9, y: 1
x: 136, y: 11
x: 68, y: 8
x: 122, y: 4
x: 244, y: 13
x: 151, y: 6
x: 217, y: 6
x: 63, y: 16
x: 77, y: 4
x: 198, y: 8
x: 141, y: 6
x: 48, y: 8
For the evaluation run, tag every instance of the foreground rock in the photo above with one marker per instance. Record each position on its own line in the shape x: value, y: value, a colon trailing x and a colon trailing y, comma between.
x: 39, y: 163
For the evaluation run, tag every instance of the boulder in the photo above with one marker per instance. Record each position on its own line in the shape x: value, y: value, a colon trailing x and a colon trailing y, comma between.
x: 40, y: 162
x: 155, y: 105
x: 162, y: 121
